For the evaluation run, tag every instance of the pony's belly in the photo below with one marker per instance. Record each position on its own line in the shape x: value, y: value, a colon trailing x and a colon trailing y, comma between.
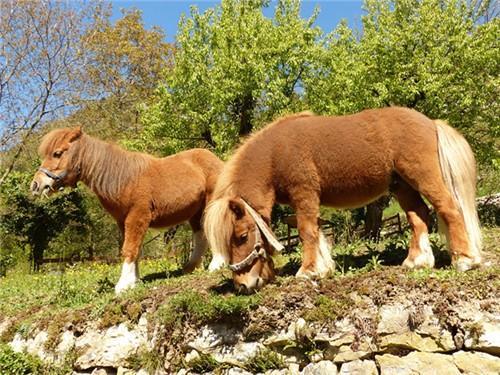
x: 352, y: 198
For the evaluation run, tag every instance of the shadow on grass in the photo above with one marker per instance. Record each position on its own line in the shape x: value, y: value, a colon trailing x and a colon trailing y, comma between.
x: 393, y: 253
x: 162, y: 275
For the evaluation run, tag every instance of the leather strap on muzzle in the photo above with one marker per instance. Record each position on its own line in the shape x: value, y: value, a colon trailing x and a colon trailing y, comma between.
x: 56, y: 177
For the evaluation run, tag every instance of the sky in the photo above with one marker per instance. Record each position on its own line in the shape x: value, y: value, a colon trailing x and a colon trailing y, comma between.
x: 166, y: 13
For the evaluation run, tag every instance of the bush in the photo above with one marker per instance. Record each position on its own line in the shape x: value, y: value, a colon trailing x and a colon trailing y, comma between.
x: 12, y: 363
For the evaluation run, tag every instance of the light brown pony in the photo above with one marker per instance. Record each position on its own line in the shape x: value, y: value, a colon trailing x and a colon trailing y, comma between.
x: 138, y: 190
x: 345, y: 161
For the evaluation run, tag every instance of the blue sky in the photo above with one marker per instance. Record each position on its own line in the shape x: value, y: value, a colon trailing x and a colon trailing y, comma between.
x: 166, y: 13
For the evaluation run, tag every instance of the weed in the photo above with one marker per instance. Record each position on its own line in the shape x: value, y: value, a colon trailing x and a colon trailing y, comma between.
x: 203, y: 363
x: 265, y: 360
x: 327, y: 309
x: 149, y: 360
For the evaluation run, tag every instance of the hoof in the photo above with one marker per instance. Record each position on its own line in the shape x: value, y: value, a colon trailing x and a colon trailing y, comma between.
x: 421, y: 261
x: 123, y: 286
x: 308, y: 274
x: 189, y: 267
x: 465, y: 264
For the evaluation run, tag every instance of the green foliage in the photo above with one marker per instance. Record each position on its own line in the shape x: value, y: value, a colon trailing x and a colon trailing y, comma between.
x: 200, y: 308
x: 234, y: 70
x: 12, y: 363
x: 36, y: 222
x: 431, y: 55
x: 265, y: 360
x: 204, y: 363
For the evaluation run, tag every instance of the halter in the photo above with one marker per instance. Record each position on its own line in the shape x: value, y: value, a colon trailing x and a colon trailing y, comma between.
x: 56, y: 177
x: 258, y: 251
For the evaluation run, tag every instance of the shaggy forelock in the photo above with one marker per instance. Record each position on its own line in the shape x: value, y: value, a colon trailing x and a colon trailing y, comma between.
x: 218, y: 226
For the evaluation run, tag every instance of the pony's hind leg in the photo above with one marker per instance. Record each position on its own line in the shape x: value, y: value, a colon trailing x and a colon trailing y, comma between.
x: 316, y: 257
x: 420, y: 253
x: 431, y: 185
x: 200, y: 244
x: 136, y: 225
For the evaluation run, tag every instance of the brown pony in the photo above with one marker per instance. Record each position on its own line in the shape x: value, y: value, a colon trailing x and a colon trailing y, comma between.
x: 345, y: 161
x: 138, y: 190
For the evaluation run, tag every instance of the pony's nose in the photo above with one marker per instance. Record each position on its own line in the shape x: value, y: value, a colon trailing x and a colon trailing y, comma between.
x: 248, y: 288
x: 34, y: 187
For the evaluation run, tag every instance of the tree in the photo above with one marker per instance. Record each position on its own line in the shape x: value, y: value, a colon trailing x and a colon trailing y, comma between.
x: 432, y: 55
x: 37, y: 60
x: 37, y: 222
x: 234, y: 70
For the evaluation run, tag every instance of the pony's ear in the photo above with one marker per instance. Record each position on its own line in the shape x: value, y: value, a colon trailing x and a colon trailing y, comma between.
x: 237, y: 207
x: 75, y: 134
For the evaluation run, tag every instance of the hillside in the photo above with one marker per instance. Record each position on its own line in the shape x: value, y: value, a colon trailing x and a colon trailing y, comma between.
x: 371, y: 313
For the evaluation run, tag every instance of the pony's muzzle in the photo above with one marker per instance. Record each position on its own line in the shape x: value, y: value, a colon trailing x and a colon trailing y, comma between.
x: 249, y: 287
x: 40, y: 185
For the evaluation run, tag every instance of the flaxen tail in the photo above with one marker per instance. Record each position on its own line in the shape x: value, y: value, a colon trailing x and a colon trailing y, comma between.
x: 458, y: 168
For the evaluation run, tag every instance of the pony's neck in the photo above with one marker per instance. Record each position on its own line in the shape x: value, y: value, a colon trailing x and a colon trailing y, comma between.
x: 105, y: 168
x: 251, y: 182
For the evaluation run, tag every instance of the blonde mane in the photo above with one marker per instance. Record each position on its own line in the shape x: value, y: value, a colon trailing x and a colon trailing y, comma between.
x: 218, y: 218
x: 104, y: 167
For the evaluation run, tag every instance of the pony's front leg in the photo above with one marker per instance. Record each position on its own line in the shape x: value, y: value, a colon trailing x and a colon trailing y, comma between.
x: 316, y: 257
x: 136, y: 225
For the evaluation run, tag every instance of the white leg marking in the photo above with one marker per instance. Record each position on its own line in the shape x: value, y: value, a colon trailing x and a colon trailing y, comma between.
x: 200, y: 244
x: 324, y: 263
x: 128, y: 278
x: 426, y: 258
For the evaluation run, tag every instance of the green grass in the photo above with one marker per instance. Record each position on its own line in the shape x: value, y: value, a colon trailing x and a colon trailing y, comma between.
x: 183, y: 303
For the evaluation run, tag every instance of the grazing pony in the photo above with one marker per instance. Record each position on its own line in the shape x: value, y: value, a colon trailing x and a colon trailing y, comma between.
x: 138, y: 190
x: 346, y: 162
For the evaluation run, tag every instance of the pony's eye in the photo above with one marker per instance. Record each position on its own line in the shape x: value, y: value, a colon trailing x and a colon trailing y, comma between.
x: 58, y: 154
x: 244, y: 237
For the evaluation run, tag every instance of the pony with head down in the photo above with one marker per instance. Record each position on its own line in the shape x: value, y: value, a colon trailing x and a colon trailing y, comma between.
x: 138, y: 190
x: 345, y: 162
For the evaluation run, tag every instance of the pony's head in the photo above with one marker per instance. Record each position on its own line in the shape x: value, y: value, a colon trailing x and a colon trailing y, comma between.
x: 56, y: 171
x: 240, y: 236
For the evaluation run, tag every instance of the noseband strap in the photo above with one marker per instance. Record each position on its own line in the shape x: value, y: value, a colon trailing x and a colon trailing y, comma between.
x: 257, y: 252
x: 56, y: 177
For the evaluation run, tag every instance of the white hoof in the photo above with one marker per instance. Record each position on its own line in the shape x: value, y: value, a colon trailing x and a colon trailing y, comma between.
x: 465, y: 264
x: 123, y: 286
x: 421, y: 261
x: 128, y: 278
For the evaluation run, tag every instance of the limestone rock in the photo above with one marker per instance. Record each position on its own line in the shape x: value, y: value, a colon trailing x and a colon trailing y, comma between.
x: 393, y: 319
x: 417, y: 363
x: 236, y: 371
x: 320, y: 368
x: 110, y: 348
x: 214, y: 335
x: 296, y: 331
x: 359, y: 367
x: 477, y: 363
x: 484, y: 336
x: 414, y: 341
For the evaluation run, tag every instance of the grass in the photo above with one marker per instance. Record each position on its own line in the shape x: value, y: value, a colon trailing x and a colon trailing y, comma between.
x: 182, y: 304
